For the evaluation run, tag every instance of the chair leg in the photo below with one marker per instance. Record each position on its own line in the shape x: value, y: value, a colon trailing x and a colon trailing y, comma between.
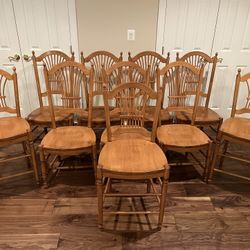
x: 25, y: 150
x: 208, y: 161
x: 94, y: 158
x: 148, y: 186
x: 43, y: 166
x: 214, y: 160
x: 33, y: 157
x: 99, y: 187
x: 164, y: 190
x: 224, y: 150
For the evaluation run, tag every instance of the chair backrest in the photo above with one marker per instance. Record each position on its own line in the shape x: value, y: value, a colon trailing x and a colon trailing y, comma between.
x: 242, y: 86
x: 200, y: 59
x: 99, y: 60
x: 74, y: 78
x: 8, y: 91
x: 49, y: 59
x: 131, y: 100
x: 152, y: 58
x: 181, y: 81
x: 123, y: 72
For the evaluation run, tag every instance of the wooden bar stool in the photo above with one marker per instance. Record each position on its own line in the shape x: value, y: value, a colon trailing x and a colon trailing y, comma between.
x: 130, y: 157
x: 67, y: 141
x: 178, y: 78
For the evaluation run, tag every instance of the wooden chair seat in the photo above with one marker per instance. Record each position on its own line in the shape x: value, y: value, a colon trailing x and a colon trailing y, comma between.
x: 181, y: 135
x: 69, y: 138
x: 42, y: 116
x: 119, y: 133
x: 13, y: 127
x: 203, y: 116
x: 132, y: 156
x: 238, y: 127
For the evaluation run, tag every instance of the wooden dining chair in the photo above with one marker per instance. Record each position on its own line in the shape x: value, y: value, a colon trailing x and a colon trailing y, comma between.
x: 131, y: 156
x: 67, y: 141
x: 151, y: 59
x: 205, y: 116
x: 40, y: 117
x: 235, y: 129
x: 13, y: 128
x: 99, y: 60
x: 178, y: 78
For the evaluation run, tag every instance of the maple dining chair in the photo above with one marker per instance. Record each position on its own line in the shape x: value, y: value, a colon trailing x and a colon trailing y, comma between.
x: 99, y: 60
x: 68, y: 140
x: 151, y: 59
x: 40, y: 117
x: 13, y: 128
x: 178, y: 78
x: 235, y: 129
x: 205, y: 116
x: 133, y: 154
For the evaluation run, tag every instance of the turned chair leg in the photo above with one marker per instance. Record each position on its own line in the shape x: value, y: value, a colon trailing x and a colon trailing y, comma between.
x: 25, y: 150
x: 43, y: 166
x: 99, y: 186
x: 214, y: 160
x: 33, y: 157
x: 94, y: 158
x: 224, y: 150
x: 208, y: 162
x: 164, y: 190
x: 148, y: 186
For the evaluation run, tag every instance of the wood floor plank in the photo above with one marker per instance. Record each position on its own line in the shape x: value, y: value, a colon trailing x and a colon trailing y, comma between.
x: 64, y: 216
x: 29, y: 241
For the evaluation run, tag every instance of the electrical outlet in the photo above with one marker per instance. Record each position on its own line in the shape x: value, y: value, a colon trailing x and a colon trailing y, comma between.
x: 131, y: 35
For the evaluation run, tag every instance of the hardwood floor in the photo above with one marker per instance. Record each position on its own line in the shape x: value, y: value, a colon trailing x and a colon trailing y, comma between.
x: 64, y: 216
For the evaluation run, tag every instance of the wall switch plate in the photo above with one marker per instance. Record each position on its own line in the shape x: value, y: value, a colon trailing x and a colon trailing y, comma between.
x: 131, y: 35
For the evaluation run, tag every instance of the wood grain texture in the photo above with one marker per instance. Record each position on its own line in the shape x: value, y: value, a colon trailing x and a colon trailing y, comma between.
x: 64, y: 216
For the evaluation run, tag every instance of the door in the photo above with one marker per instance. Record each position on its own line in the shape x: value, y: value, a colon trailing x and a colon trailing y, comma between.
x: 35, y: 25
x: 9, y: 47
x: 221, y: 26
x: 186, y: 25
x: 232, y: 42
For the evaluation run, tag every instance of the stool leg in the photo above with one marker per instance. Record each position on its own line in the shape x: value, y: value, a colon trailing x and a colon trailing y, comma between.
x: 164, y: 190
x: 224, y: 150
x: 94, y: 158
x: 214, y: 160
x: 43, y: 165
x: 33, y: 157
x: 99, y: 186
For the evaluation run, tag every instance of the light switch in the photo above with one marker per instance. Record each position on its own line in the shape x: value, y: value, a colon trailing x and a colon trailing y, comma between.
x: 131, y: 35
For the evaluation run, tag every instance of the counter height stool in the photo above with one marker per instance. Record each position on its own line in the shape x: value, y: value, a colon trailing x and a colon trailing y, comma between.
x: 67, y: 141
x: 178, y: 78
x: 130, y: 157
